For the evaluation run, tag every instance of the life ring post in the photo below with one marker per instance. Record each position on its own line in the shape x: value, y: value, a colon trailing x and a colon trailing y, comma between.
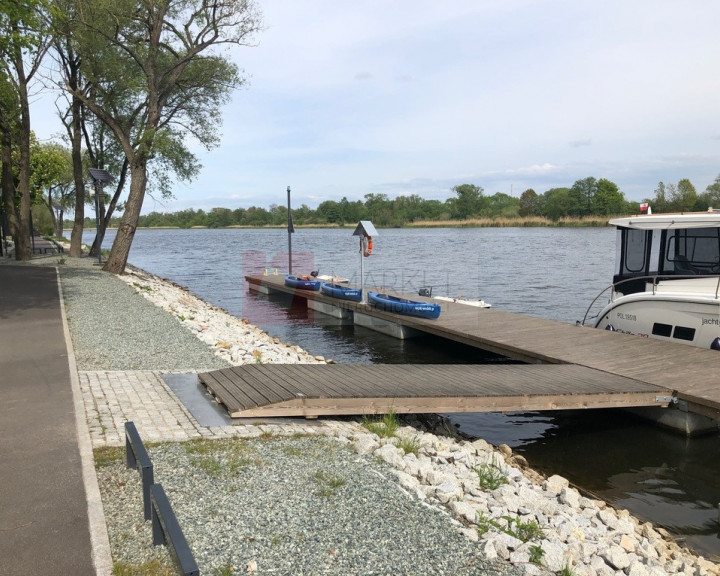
x: 366, y: 232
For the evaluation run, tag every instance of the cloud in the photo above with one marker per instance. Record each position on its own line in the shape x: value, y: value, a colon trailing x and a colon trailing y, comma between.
x: 580, y: 143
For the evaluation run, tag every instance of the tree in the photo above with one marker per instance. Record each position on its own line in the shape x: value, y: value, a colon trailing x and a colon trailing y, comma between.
x: 684, y: 196
x: 581, y: 196
x: 501, y: 205
x: 152, y: 76
x: 556, y: 203
x: 51, y: 180
x: 711, y: 197
x: 24, y: 41
x: 469, y: 201
x: 608, y: 199
x: 529, y: 204
x: 660, y: 202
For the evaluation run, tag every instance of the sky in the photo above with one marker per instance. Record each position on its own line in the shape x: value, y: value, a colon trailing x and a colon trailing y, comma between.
x: 397, y: 97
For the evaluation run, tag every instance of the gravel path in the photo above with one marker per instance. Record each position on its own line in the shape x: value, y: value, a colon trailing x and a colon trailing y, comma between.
x: 115, y: 328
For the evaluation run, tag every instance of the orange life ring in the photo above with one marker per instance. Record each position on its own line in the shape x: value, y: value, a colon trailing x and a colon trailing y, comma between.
x: 367, y: 245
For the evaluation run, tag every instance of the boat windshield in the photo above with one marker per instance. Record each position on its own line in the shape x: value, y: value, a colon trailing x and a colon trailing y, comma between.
x: 692, y: 251
x: 669, y: 252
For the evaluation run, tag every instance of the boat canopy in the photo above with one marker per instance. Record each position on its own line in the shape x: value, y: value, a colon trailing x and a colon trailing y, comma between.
x: 709, y: 219
x: 668, y: 245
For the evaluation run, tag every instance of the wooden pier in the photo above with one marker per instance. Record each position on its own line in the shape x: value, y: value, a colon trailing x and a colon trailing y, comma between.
x: 571, y: 367
x: 345, y: 389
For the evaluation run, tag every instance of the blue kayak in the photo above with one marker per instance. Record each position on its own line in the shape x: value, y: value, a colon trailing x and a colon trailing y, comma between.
x: 341, y: 292
x: 404, y: 306
x: 302, y: 282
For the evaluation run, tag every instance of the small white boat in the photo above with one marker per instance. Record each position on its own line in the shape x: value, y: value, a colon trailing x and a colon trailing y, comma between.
x: 477, y: 303
x: 332, y: 279
x: 667, y: 279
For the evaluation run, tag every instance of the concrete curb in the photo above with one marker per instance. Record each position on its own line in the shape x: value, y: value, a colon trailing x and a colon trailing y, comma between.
x: 99, y: 539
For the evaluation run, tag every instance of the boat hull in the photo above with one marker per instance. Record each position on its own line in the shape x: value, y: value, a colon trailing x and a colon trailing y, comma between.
x: 404, y: 306
x: 341, y: 292
x: 675, y: 318
x: 302, y: 283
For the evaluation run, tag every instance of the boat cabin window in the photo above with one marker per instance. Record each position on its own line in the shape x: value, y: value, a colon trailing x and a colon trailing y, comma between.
x: 633, y: 259
x: 692, y: 251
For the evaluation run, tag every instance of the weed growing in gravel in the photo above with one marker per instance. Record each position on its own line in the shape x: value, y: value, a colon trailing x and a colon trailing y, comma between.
x: 524, y: 531
x: 258, y: 356
x: 149, y: 568
x: 515, y: 527
x: 409, y: 445
x: 328, y: 483
x: 61, y: 261
x: 536, y: 554
x: 226, y: 570
x: 217, y: 457
x: 567, y: 571
x: 107, y: 455
x: 385, y: 428
x: 490, y: 477
x: 142, y: 287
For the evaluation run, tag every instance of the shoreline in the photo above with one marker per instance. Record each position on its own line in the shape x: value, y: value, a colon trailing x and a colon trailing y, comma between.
x: 579, y: 535
x: 456, y: 498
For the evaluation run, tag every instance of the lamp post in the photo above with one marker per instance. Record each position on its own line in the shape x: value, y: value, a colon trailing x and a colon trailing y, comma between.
x: 291, y: 229
x: 99, y: 177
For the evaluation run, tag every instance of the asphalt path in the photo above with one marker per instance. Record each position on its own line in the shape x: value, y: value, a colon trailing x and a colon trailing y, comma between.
x: 44, y: 525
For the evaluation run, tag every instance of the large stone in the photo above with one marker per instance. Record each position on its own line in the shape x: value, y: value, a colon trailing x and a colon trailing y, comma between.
x: 556, y: 557
x: 569, y: 497
x: 464, y: 510
x: 615, y: 557
x: 365, y: 443
x: 392, y: 455
x: 448, y: 491
x: 556, y: 483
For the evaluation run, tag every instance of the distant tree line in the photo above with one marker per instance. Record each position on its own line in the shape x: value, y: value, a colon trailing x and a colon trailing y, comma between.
x: 588, y: 197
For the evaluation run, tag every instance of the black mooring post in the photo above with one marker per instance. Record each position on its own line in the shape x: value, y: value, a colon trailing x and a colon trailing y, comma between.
x: 291, y: 229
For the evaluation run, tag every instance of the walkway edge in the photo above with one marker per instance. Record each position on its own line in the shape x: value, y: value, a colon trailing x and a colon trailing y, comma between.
x: 99, y: 539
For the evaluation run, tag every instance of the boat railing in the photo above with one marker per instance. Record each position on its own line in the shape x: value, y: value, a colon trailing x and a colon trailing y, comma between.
x: 654, y: 279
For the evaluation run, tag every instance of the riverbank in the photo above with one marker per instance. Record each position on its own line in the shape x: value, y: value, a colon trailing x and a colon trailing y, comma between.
x: 570, y: 530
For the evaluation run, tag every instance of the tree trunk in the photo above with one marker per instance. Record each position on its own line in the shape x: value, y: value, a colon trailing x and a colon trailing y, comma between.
x: 23, y: 245
x: 8, y: 182
x: 79, y: 223
x: 120, y: 250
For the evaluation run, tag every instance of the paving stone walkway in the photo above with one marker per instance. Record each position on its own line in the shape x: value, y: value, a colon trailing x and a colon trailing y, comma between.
x: 143, y: 397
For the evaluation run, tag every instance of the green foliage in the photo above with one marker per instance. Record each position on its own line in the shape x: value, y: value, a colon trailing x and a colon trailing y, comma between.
x: 149, y: 568
x: 107, y: 455
x: 567, y: 571
x: 409, y: 445
x: 536, y: 554
x: 328, y: 483
x: 221, y: 457
x: 490, y: 477
x: 524, y: 531
x: 385, y: 427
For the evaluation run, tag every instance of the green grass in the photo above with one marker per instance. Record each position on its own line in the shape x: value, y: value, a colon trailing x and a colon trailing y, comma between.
x: 409, y: 445
x: 221, y: 457
x: 490, y: 477
x: 328, y: 483
x: 107, y: 455
x: 384, y: 427
x: 149, y: 568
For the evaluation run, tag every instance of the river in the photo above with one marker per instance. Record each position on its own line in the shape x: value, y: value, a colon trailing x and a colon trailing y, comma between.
x: 553, y: 273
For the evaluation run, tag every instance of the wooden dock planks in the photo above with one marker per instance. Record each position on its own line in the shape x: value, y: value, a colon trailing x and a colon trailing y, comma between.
x: 690, y: 372
x: 342, y: 389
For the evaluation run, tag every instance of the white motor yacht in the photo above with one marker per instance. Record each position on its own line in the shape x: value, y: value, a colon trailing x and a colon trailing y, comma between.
x: 667, y: 279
